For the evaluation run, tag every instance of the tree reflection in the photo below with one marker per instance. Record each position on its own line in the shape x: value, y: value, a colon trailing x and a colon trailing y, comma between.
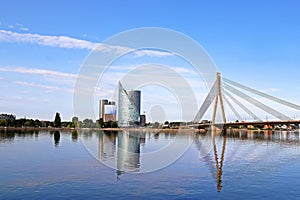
x: 56, y: 137
x: 74, y: 136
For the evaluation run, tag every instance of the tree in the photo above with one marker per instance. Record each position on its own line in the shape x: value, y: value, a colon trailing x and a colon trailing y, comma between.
x: 28, y: 123
x: 3, y: 122
x: 37, y: 123
x: 101, y: 122
x: 88, y: 123
x: 75, y: 121
x: 57, y: 120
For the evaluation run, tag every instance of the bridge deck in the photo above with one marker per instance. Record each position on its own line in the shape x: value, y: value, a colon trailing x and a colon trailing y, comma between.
x: 282, y: 122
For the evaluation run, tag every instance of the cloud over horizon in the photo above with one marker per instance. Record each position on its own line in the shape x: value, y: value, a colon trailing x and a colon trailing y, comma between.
x: 73, y: 43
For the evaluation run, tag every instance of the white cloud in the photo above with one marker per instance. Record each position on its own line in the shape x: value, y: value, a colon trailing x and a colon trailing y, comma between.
x: 24, y: 29
x: 36, y: 71
x: 46, y: 87
x: 152, y: 53
x: 70, y: 43
x: 46, y: 40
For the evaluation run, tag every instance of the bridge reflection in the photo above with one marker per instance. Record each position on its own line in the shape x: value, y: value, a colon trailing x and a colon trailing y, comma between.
x: 212, y: 148
x: 206, y: 145
x: 124, y: 149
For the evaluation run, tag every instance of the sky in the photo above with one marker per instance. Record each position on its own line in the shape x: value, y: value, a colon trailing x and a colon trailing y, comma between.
x: 43, y: 46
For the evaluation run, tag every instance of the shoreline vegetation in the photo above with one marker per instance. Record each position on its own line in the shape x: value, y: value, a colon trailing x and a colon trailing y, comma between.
x: 9, y: 122
x: 103, y: 129
x: 143, y: 129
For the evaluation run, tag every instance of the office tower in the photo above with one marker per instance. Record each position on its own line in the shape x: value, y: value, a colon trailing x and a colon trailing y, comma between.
x: 110, y: 112
x: 129, y: 107
x: 102, y: 103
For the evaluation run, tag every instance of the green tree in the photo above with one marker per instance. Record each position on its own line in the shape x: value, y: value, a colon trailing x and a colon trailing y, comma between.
x: 75, y: 121
x: 101, y: 122
x: 27, y: 123
x: 37, y: 123
x: 57, y: 120
x: 88, y: 123
x: 3, y: 122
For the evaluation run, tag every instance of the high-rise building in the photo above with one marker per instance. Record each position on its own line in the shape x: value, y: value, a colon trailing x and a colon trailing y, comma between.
x: 129, y: 107
x: 107, y: 110
x: 102, y: 103
x: 110, y: 112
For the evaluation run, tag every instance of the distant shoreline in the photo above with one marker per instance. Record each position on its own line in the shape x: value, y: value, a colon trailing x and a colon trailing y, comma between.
x: 100, y: 129
x: 143, y: 129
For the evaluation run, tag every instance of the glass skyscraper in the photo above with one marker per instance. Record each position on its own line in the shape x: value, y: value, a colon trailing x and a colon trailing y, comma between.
x: 129, y: 107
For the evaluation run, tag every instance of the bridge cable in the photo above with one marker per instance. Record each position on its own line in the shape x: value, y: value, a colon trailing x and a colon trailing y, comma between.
x: 207, y: 102
x: 238, y: 116
x: 242, y: 106
x: 281, y: 101
x: 257, y: 103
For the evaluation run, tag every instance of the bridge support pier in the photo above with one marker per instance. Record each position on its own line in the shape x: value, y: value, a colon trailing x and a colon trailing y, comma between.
x: 218, y: 97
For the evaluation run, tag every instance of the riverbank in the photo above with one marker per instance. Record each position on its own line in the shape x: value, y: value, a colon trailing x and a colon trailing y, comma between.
x: 143, y: 129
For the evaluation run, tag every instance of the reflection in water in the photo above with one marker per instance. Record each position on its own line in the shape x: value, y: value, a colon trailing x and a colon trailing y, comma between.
x: 121, y: 149
x: 106, y: 145
x: 56, y: 138
x: 128, y: 151
x: 205, y: 146
x: 10, y: 135
x: 74, y: 136
x: 265, y: 166
x: 214, y: 160
x: 219, y: 164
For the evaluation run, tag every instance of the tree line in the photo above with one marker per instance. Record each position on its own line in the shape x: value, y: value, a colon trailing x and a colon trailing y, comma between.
x: 74, y: 123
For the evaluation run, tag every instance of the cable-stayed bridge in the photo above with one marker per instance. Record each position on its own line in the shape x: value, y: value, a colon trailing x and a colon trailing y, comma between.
x: 225, y: 91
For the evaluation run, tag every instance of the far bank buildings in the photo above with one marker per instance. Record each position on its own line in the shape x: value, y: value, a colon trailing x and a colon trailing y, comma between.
x: 129, y: 106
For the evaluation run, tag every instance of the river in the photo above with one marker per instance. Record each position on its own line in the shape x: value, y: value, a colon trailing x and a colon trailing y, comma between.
x: 149, y: 165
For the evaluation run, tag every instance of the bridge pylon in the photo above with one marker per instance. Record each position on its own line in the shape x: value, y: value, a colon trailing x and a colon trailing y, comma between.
x: 217, y: 99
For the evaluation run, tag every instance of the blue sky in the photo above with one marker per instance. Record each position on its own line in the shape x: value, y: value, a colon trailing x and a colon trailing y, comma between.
x: 252, y: 42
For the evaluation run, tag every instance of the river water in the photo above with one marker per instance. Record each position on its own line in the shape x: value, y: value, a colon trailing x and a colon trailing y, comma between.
x: 111, y: 165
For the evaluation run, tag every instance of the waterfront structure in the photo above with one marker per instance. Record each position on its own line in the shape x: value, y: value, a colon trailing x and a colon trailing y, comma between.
x: 129, y: 106
x: 110, y: 112
x: 228, y: 90
x: 107, y: 110
x: 102, y: 103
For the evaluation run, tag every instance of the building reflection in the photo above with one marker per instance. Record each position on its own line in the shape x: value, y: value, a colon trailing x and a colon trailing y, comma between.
x: 107, y: 145
x: 128, y: 151
x: 121, y: 149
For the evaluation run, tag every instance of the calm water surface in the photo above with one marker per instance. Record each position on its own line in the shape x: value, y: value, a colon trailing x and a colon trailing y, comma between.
x: 65, y: 165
